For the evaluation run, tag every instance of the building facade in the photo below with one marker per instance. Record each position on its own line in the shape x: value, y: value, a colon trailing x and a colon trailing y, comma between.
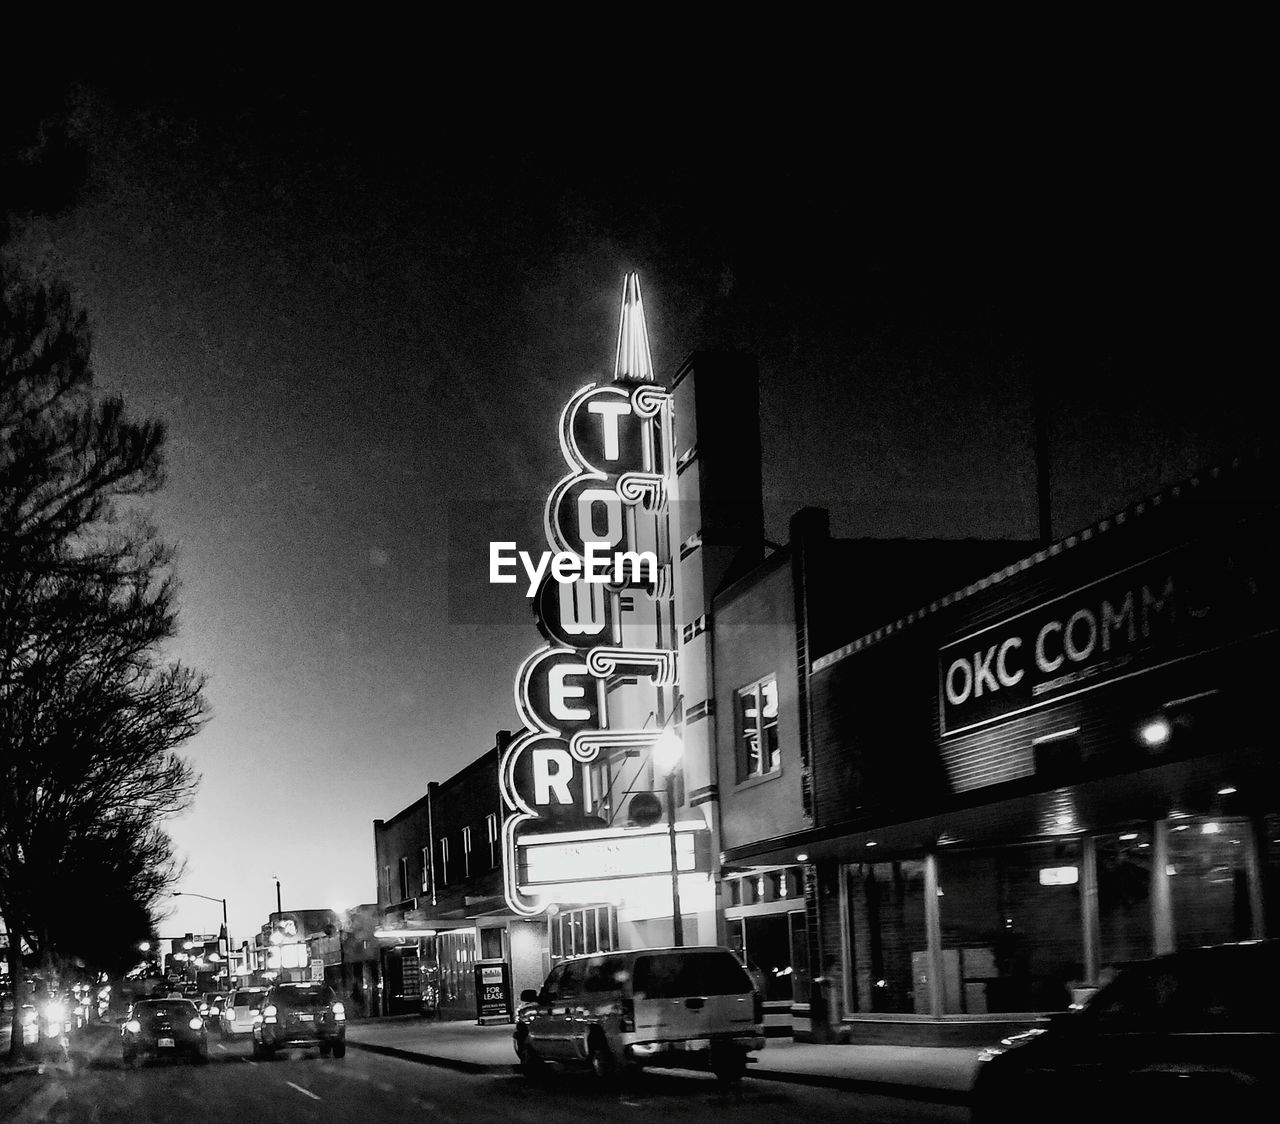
x: 803, y: 598
x: 1026, y: 782
x: 440, y: 898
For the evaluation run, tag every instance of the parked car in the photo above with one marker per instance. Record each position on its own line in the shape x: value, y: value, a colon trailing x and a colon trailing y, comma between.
x: 162, y: 1028
x: 301, y: 1014
x: 617, y: 1012
x: 239, y: 1011
x: 1191, y: 1035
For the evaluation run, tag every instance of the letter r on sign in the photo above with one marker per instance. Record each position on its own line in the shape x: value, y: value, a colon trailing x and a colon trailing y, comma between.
x: 552, y: 771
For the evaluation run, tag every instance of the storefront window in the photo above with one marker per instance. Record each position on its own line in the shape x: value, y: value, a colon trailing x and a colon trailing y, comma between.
x: 454, y: 974
x: 1124, y: 897
x: 576, y: 932
x: 491, y: 944
x: 887, y: 935
x: 1209, y: 881
x: 768, y: 948
x: 1011, y: 928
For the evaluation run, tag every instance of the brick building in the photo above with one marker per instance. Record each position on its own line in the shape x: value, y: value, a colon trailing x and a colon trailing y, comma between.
x: 439, y: 875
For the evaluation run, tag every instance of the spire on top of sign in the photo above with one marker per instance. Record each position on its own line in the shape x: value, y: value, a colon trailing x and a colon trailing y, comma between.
x: 633, y: 360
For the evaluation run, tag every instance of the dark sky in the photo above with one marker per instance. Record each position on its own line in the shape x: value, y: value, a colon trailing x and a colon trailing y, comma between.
x: 359, y: 301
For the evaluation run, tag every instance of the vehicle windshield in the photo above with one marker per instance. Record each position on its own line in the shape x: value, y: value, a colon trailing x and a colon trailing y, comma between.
x: 165, y: 1008
x: 317, y: 996
x: 668, y: 975
x: 248, y: 998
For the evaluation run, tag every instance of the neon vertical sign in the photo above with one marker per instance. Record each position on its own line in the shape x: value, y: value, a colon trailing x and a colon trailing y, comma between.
x: 616, y: 438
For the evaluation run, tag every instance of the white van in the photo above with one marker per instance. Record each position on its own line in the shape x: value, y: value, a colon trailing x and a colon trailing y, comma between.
x: 237, y: 1016
x: 692, y: 1008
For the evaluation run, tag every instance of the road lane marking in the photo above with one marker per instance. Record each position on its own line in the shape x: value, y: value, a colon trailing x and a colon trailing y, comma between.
x: 304, y: 1092
x: 223, y: 1048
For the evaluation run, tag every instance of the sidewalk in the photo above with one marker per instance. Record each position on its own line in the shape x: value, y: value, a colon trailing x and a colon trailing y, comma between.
x: 934, y: 1073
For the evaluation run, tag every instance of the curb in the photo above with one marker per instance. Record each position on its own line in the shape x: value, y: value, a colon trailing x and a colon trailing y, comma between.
x: 862, y: 1085
x: 850, y: 1084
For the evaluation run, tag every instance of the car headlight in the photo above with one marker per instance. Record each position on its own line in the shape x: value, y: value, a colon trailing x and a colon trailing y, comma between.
x: 196, y: 1024
x: 133, y: 1026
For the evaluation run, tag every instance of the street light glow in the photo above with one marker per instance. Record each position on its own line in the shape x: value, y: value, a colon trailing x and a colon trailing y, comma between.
x: 667, y: 751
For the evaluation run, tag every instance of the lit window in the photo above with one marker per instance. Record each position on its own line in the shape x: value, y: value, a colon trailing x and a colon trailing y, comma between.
x: 404, y: 877
x: 386, y: 882
x: 444, y: 861
x: 426, y: 870
x: 466, y: 852
x: 758, y: 753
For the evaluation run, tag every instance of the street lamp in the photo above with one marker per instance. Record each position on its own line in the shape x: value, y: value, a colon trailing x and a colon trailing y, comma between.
x: 667, y: 751
x: 226, y: 934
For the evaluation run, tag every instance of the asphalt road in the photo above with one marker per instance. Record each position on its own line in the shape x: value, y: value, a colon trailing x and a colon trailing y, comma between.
x: 94, y: 1088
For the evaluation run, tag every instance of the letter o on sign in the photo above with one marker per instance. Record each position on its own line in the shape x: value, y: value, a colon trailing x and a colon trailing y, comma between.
x: 591, y: 503
x: 956, y: 697
x: 1077, y: 652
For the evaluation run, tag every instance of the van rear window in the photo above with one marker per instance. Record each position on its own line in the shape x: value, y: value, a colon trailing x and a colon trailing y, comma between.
x: 670, y: 975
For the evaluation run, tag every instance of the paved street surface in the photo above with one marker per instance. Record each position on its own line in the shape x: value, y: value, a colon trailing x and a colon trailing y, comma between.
x: 94, y: 1087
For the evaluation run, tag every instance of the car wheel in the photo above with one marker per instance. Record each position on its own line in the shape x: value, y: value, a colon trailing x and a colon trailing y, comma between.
x: 729, y: 1065
x: 532, y: 1066
x: 260, y: 1051
x: 130, y: 1059
x: 326, y: 1048
x: 202, y: 1054
x: 340, y: 1048
x: 603, y: 1064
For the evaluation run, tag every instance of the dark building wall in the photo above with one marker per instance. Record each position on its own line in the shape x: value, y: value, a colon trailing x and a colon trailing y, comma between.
x: 402, y: 836
x: 717, y: 420
x: 463, y: 801
x: 873, y: 735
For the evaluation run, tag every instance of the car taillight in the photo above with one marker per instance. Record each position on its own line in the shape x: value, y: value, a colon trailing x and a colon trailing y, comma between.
x: 759, y: 1006
x: 269, y: 1013
x: 339, y: 1012
x: 627, y: 1022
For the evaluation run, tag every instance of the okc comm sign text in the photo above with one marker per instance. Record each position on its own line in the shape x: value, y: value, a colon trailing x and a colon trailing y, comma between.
x: 1178, y: 604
